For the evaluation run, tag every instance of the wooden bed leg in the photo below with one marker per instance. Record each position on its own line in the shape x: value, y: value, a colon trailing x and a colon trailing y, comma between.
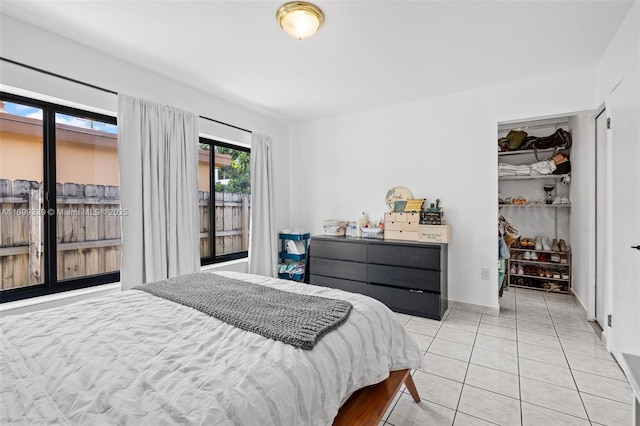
x: 411, y: 387
x: 367, y: 406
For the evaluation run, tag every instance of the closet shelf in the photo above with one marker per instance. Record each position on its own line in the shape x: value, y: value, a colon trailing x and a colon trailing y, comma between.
x: 536, y: 262
x: 545, y: 206
x: 547, y: 290
x: 528, y: 151
x: 539, y: 277
x: 538, y: 251
x: 532, y: 177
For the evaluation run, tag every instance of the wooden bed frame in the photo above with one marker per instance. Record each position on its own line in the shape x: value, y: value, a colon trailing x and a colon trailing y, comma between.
x: 367, y: 406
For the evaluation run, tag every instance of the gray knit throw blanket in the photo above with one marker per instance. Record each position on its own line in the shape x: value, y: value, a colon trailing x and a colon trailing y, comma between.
x: 297, y: 319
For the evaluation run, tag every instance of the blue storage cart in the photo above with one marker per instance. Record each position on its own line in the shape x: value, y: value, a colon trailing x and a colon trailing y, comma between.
x: 287, y: 258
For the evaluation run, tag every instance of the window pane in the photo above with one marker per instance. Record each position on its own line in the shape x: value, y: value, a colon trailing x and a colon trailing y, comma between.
x: 232, y: 195
x: 21, y: 218
x: 203, y: 199
x: 88, y: 197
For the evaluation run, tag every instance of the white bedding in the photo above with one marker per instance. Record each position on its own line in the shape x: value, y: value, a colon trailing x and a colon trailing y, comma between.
x: 133, y: 358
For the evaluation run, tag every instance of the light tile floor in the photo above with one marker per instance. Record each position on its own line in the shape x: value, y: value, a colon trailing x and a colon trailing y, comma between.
x: 537, y: 363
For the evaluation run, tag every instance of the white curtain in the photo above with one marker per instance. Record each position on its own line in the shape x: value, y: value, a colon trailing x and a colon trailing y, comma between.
x: 263, y: 240
x: 158, y: 157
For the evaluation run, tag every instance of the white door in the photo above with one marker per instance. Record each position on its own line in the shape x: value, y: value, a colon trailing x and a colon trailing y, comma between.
x: 624, y: 109
x: 601, y: 215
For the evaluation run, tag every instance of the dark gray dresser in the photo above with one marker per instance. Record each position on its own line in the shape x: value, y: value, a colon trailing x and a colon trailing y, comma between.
x: 407, y: 276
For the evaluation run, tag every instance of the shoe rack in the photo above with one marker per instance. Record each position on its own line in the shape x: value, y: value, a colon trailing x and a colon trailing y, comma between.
x: 536, y: 212
x: 542, y: 274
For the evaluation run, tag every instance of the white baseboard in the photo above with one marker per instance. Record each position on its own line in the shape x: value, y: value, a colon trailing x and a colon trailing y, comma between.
x: 480, y: 309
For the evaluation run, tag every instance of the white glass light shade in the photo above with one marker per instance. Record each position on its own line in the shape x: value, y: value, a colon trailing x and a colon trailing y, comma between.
x: 300, y: 19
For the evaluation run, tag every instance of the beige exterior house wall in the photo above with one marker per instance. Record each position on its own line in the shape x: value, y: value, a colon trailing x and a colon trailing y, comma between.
x: 83, y: 156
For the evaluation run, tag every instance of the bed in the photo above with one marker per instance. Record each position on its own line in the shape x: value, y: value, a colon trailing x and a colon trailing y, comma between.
x: 134, y: 358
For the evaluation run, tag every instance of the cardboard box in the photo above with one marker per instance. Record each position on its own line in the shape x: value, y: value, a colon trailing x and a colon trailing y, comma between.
x: 434, y: 233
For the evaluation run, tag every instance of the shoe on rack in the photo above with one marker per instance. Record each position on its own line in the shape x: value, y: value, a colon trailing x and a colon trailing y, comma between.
x: 546, y: 244
x: 527, y: 255
x: 539, y: 243
x: 565, y: 276
x: 534, y: 256
x: 520, y: 201
x: 554, y: 245
x: 563, y: 246
x: 520, y: 270
x: 512, y: 269
x: 555, y: 258
x: 564, y: 259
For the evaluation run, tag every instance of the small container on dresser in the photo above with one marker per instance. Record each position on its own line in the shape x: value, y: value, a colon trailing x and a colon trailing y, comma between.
x: 401, y: 226
x: 434, y: 233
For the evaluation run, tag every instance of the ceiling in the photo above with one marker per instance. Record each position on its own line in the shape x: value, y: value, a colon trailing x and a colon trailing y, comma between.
x: 368, y: 54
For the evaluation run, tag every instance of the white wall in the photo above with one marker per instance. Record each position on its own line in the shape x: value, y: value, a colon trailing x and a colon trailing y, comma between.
x: 582, y: 226
x: 439, y: 148
x: 34, y: 46
x: 621, y: 55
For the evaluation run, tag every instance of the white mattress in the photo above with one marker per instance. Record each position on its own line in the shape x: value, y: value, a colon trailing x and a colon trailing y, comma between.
x: 133, y: 358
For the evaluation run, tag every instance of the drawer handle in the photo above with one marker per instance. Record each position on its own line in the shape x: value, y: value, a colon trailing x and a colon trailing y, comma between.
x: 416, y: 291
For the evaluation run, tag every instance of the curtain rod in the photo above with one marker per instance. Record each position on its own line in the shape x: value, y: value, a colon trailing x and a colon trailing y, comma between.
x: 102, y: 89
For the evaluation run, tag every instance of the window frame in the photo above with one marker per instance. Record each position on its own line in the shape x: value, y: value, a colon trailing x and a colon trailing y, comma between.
x: 213, y: 258
x: 51, y: 284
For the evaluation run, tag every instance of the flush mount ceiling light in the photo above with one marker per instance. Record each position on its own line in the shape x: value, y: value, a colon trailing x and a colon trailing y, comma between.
x: 299, y: 19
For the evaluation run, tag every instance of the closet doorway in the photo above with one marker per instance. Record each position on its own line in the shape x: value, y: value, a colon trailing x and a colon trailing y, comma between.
x: 602, y: 203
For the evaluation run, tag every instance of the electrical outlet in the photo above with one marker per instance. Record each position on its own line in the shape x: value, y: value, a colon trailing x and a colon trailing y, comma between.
x: 486, y: 274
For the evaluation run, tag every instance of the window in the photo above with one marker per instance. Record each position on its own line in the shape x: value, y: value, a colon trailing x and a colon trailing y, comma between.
x: 71, y: 240
x: 224, y: 180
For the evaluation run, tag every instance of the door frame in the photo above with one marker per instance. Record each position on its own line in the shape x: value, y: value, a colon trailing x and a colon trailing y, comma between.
x: 601, y: 263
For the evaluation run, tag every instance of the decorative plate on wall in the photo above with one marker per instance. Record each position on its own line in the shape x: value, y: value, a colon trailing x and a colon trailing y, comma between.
x: 397, y: 193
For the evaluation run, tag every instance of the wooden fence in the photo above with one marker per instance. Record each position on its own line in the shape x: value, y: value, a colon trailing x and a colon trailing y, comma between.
x: 231, y: 223
x: 89, y: 229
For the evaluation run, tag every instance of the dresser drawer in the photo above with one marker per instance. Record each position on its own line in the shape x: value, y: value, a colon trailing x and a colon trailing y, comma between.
x: 346, y: 285
x: 401, y: 217
x: 410, y: 256
x: 411, y: 302
x: 397, y: 276
x: 401, y: 226
x: 340, y: 249
x: 338, y: 269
